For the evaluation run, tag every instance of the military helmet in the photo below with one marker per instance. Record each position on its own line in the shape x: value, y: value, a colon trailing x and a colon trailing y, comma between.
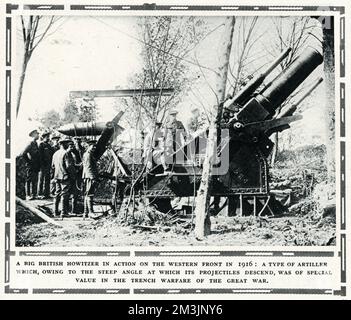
x: 45, y: 134
x: 65, y: 141
x: 32, y: 132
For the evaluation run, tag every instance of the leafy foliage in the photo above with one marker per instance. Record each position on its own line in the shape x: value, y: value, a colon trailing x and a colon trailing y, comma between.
x: 166, y: 43
x: 79, y: 110
x: 51, y: 119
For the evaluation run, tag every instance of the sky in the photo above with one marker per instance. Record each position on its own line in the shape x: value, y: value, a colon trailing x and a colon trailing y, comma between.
x: 83, y: 54
x: 92, y: 53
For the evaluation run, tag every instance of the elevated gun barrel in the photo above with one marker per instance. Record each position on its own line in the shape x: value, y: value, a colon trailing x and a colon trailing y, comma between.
x: 264, y: 104
x: 287, y: 82
x: 106, y: 135
x: 245, y: 93
x: 292, y: 108
x: 275, y: 63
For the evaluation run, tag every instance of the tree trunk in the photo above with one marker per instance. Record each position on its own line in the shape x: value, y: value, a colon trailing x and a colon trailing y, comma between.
x: 21, y: 82
x: 202, y: 219
x: 329, y: 72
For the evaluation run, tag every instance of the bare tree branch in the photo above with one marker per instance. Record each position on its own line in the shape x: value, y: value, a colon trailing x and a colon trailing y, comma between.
x: 44, y: 33
x: 30, y: 34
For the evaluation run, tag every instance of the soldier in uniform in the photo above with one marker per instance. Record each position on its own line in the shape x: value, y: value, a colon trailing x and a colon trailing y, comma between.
x: 90, y: 177
x: 175, y: 137
x: 75, y: 164
x: 31, y: 156
x: 46, y: 152
x: 78, y: 151
x: 55, y: 143
x: 62, y: 168
x: 78, y: 146
x: 154, y: 148
x: 55, y: 146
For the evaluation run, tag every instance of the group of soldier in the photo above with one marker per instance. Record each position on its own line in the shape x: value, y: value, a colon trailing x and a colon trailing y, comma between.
x: 64, y: 168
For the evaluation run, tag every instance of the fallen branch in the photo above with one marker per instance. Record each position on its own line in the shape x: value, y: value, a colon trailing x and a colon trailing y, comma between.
x: 145, y: 227
x: 37, y: 212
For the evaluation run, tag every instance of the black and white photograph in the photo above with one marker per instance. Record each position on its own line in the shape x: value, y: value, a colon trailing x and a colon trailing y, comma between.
x: 175, y: 151
x: 174, y: 130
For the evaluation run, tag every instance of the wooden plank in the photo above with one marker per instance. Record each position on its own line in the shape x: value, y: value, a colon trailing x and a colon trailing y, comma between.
x: 37, y: 212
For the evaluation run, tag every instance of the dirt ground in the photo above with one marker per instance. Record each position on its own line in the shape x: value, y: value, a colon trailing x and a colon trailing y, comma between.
x: 226, y: 231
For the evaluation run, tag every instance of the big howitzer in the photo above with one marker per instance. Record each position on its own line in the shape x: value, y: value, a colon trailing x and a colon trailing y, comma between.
x: 250, y: 117
x: 248, y: 120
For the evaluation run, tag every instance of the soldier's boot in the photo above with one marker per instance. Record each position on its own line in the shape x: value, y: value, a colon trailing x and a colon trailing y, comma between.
x: 56, y: 206
x: 90, y: 206
x: 28, y: 193
x: 47, y: 186
x: 52, y: 188
x: 74, y: 205
x: 65, y: 207
x: 40, y: 185
x: 34, y: 189
x: 86, y: 211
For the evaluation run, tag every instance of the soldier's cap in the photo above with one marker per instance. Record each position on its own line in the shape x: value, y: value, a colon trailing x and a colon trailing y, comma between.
x: 55, y: 138
x: 45, y: 134
x: 173, y: 111
x: 158, y: 123
x: 91, y: 142
x: 65, y: 141
x: 31, y: 133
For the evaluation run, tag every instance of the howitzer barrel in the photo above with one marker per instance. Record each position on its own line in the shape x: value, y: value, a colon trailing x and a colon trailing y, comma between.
x: 290, y: 79
x: 106, y: 135
x: 275, y: 63
x: 308, y: 92
x: 245, y: 93
x: 84, y: 128
x: 286, y: 112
